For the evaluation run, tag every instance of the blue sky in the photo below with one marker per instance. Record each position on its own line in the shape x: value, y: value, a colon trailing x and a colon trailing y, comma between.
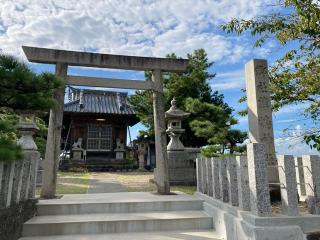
x: 151, y: 28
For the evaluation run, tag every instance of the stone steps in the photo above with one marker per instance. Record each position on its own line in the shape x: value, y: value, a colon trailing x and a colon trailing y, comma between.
x: 116, y: 223
x: 132, y: 202
x: 89, y: 208
x: 120, y: 216
x: 163, y: 235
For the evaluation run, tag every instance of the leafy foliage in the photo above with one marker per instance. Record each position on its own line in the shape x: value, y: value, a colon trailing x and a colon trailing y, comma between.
x: 9, y: 150
x: 9, y: 135
x: 313, y: 140
x: 294, y: 77
x: 210, y: 115
x: 141, y: 101
x: 22, y: 89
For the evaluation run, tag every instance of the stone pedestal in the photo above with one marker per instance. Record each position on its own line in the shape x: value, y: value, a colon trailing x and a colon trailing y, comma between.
x: 77, y: 154
x: 119, y: 154
x: 181, y: 169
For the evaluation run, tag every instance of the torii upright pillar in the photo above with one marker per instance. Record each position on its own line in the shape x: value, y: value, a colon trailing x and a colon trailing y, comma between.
x: 161, y: 173
x: 51, y: 160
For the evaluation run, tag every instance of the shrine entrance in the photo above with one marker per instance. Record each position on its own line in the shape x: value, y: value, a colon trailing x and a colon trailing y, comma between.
x: 62, y: 59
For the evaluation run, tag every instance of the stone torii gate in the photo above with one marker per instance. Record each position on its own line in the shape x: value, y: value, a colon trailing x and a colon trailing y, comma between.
x: 62, y: 59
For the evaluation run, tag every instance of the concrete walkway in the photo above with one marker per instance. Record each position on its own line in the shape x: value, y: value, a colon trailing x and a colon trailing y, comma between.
x: 101, y: 182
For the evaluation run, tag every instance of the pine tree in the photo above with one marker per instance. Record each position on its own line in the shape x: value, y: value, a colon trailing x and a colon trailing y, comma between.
x: 210, y: 115
x: 21, y: 90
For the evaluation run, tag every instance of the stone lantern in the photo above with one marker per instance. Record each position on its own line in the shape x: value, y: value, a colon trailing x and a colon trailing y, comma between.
x: 142, y: 150
x: 27, y: 128
x: 175, y: 116
x: 180, y: 165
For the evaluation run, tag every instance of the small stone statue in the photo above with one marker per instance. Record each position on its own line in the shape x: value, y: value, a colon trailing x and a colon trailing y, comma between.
x: 77, y: 144
x: 120, y: 145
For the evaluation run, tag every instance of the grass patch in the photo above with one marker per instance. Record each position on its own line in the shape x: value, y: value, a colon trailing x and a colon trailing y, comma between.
x: 185, y: 189
x: 139, y: 182
x: 135, y: 181
x: 146, y: 188
x: 78, y: 183
x: 71, y: 183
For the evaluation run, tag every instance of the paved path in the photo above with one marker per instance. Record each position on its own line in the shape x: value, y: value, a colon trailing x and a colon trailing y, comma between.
x: 104, y: 183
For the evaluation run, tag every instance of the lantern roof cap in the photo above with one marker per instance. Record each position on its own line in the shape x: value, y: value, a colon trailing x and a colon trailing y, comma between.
x: 175, y: 113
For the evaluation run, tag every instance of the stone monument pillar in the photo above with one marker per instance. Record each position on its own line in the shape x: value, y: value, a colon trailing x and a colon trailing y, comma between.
x: 181, y: 167
x: 260, y: 112
x: 142, y: 149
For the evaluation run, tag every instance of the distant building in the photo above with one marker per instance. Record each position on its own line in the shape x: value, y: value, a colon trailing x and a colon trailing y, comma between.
x: 95, y: 127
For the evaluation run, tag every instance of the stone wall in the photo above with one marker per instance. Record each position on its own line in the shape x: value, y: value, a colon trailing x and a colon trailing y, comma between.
x: 18, y: 183
x: 236, y: 194
x: 13, y: 217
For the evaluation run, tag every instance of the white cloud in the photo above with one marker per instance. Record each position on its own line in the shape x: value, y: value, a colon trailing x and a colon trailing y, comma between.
x: 297, y: 109
x: 233, y: 84
x: 293, y: 146
x: 229, y: 80
x: 286, y: 121
x: 139, y: 27
x: 242, y: 120
x: 232, y: 74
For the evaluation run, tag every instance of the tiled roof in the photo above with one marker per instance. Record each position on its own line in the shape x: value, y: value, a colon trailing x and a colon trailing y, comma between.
x: 93, y: 101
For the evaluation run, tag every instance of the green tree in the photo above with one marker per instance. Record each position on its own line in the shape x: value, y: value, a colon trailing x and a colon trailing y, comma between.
x: 9, y: 150
x: 295, y: 76
x: 209, y: 113
x: 141, y: 102
x: 21, y: 89
x: 215, y: 124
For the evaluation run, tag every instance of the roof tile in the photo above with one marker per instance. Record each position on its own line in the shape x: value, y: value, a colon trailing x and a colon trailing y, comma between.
x: 101, y: 102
